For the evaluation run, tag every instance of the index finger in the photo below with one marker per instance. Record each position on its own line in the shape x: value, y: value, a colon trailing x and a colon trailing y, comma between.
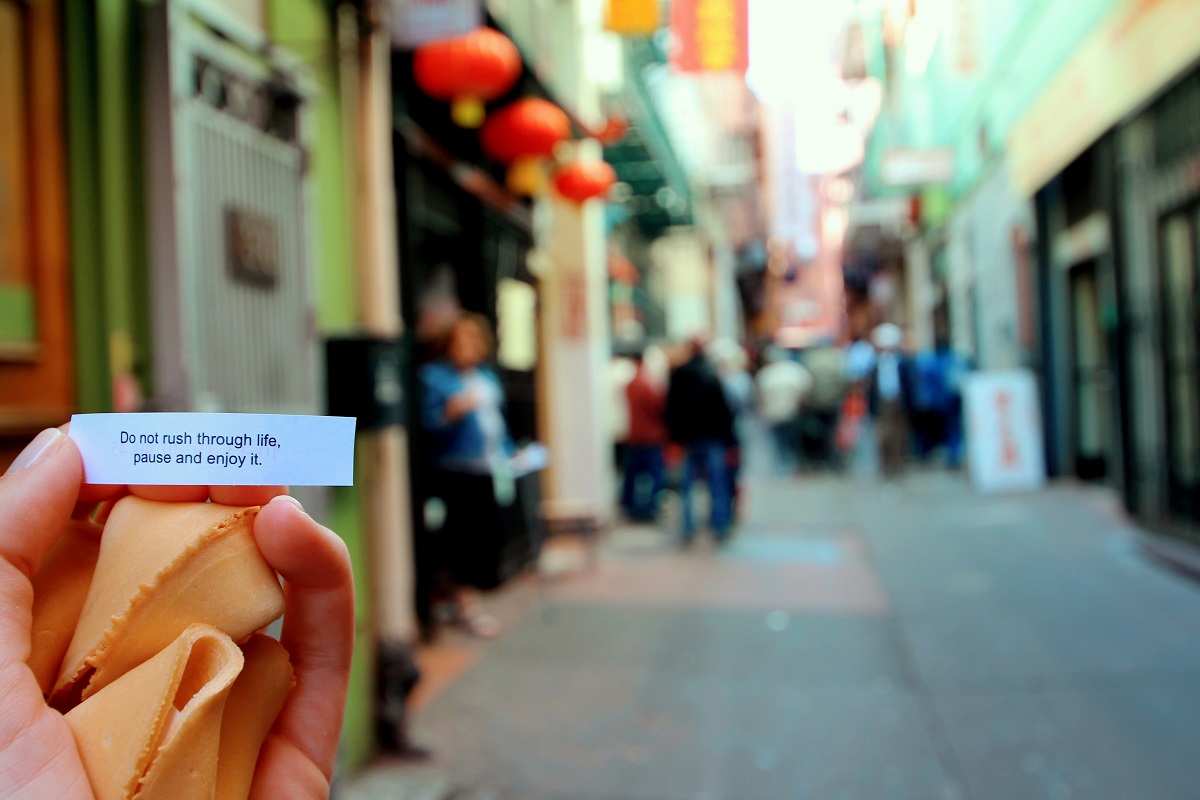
x: 318, y: 625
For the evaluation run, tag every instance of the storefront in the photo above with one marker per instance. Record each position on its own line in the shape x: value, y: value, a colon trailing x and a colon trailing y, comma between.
x: 1110, y: 151
x: 1159, y: 152
x: 464, y: 244
x: 1119, y: 295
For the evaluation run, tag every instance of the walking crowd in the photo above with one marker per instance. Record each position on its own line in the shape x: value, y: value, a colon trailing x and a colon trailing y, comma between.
x: 690, y: 409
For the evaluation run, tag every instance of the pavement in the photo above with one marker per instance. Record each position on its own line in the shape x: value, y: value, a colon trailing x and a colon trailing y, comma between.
x: 855, y: 640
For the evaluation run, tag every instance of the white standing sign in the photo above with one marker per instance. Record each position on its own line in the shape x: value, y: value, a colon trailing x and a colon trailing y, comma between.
x: 1004, y: 431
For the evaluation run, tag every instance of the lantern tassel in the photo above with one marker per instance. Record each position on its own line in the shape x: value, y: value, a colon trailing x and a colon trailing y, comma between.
x: 467, y: 112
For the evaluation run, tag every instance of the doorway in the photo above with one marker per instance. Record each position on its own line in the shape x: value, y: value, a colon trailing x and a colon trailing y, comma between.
x: 1181, y: 361
x: 1091, y: 375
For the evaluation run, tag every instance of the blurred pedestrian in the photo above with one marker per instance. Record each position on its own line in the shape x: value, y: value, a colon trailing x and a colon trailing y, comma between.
x: 782, y: 385
x: 699, y: 419
x: 890, y: 399
x: 462, y: 410
x: 646, y: 433
x: 730, y: 360
x: 819, y: 413
x: 937, y: 402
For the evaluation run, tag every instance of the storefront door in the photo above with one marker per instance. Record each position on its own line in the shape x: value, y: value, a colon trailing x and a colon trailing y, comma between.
x: 1092, y: 376
x: 1181, y: 361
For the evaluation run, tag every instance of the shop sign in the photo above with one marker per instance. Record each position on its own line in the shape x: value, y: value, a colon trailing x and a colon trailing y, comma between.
x: 415, y: 22
x: 1004, y: 431
x: 632, y: 17
x: 710, y: 35
x: 910, y: 166
x: 1130, y: 56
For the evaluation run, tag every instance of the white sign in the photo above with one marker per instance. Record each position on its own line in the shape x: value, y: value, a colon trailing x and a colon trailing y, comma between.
x: 1004, y: 431
x: 909, y: 166
x: 415, y: 22
x: 177, y: 449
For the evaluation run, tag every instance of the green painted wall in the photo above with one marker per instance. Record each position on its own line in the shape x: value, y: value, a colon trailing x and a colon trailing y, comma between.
x: 1023, y: 43
x: 307, y: 29
x: 106, y: 203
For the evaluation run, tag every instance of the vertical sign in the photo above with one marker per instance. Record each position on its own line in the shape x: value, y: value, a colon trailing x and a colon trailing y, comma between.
x: 632, y: 17
x: 574, y: 305
x: 962, y: 44
x: 415, y: 22
x: 710, y: 35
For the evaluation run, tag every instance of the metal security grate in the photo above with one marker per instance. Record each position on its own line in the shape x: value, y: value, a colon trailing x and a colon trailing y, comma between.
x: 252, y: 342
x: 1177, y: 121
x: 231, y: 248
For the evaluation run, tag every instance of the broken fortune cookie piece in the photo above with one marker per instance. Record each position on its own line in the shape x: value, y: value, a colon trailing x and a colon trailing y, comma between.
x: 154, y: 733
x: 162, y: 567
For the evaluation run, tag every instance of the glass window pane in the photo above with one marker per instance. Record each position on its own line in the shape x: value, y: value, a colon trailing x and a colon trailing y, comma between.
x: 16, y: 266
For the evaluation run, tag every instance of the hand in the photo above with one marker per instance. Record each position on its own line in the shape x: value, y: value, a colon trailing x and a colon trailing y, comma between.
x: 40, y: 493
x: 461, y: 404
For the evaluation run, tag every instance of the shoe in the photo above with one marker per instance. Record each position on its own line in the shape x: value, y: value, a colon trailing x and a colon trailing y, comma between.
x: 478, y: 624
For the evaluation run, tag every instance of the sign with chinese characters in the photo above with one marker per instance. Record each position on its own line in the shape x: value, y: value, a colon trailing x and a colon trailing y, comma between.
x: 1004, y: 431
x: 632, y: 17
x: 252, y: 247
x: 963, y: 46
x: 710, y: 35
x: 415, y: 22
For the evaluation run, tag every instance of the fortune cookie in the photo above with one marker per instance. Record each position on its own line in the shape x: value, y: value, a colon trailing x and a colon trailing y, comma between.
x: 60, y: 587
x: 154, y: 733
x: 253, y: 704
x: 161, y: 568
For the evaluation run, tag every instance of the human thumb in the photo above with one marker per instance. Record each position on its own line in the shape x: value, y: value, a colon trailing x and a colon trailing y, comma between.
x: 37, y: 496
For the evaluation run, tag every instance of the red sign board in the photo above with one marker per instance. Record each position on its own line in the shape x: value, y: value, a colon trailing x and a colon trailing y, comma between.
x: 710, y: 35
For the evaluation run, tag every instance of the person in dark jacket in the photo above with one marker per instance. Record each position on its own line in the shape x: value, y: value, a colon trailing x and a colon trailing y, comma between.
x: 699, y: 419
x: 890, y: 399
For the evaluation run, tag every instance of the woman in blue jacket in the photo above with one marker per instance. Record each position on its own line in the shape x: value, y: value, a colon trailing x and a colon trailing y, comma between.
x: 462, y: 412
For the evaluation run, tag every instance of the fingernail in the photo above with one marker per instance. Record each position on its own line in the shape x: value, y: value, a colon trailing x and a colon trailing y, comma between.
x: 41, y: 445
x: 287, y: 498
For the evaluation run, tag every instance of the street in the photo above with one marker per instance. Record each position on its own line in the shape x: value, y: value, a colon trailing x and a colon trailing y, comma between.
x: 854, y: 641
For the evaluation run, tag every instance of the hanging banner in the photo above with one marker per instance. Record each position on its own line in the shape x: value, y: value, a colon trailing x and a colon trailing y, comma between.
x: 963, y: 45
x: 415, y: 22
x: 632, y: 17
x: 710, y: 35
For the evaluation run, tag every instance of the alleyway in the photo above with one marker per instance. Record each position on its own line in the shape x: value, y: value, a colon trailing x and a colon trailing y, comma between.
x: 853, y: 642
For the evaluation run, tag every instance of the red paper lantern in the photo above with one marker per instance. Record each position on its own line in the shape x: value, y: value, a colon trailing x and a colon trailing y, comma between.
x: 524, y: 135
x: 529, y: 128
x: 585, y: 180
x: 468, y: 71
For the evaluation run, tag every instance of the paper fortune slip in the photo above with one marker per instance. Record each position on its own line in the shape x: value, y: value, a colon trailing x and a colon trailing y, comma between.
x: 179, y: 449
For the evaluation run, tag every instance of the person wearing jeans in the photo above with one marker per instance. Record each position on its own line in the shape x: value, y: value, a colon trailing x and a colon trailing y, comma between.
x: 699, y: 419
x: 707, y: 458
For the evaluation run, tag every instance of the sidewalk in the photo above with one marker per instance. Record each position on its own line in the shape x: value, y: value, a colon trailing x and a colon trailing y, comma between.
x: 854, y: 641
